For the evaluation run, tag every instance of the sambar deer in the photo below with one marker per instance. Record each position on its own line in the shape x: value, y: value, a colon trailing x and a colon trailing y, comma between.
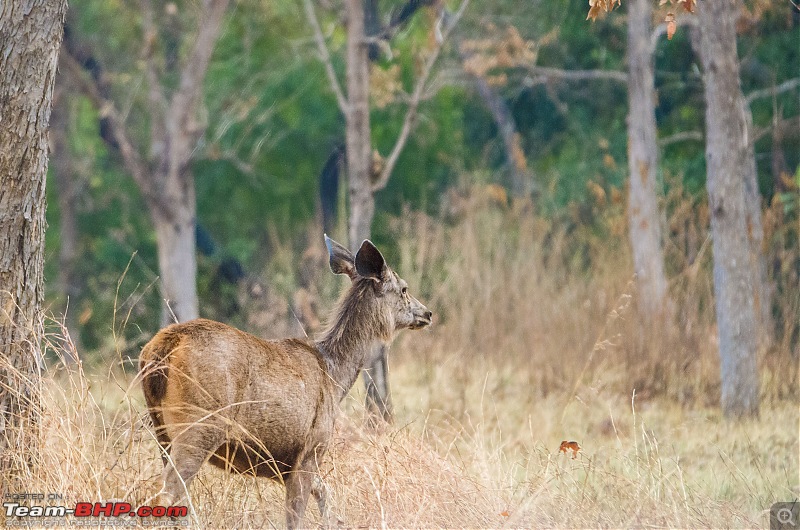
x: 267, y: 407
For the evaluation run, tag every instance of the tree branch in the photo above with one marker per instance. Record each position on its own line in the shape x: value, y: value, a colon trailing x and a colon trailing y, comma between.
x: 325, y: 56
x: 184, y: 101
x: 130, y: 154
x: 548, y: 73
x: 158, y: 102
x: 786, y: 86
x: 416, y: 96
x: 682, y: 136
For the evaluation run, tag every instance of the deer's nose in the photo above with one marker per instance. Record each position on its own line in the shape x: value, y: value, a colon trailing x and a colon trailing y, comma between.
x: 428, y: 315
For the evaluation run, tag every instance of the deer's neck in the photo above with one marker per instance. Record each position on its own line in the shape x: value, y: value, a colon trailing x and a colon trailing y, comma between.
x: 357, y: 324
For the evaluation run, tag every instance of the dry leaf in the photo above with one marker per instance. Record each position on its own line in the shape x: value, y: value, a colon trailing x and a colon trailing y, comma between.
x: 689, y: 5
x: 571, y: 446
x: 671, y: 26
x: 504, y: 513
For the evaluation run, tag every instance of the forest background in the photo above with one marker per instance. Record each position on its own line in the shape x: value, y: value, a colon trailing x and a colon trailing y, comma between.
x: 507, y: 212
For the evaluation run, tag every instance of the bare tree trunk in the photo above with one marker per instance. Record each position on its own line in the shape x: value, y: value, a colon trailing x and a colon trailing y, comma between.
x: 755, y: 232
x: 69, y: 283
x: 177, y: 260
x: 30, y: 36
x: 728, y: 157
x: 643, y: 215
x: 359, y: 176
x: 357, y: 131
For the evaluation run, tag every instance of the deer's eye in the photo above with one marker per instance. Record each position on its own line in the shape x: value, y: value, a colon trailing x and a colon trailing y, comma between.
x: 404, y: 290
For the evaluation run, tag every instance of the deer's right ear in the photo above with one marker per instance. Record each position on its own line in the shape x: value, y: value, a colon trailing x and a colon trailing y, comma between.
x: 341, y: 259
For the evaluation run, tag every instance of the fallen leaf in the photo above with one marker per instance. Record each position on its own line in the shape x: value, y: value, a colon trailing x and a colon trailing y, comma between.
x: 571, y: 446
x: 504, y: 513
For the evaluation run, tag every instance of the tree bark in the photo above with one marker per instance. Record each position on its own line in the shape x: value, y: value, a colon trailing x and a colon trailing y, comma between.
x: 30, y: 37
x: 729, y: 160
x: 643, y: 216
x: 357, y: 128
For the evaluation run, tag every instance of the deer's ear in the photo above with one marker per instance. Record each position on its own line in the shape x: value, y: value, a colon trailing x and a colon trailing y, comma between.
x: 370, y: 262
x: 341, y: 259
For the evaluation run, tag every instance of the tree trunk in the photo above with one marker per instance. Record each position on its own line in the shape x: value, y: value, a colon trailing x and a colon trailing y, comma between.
x: 177, y: 259
x: 69, y: 283
x: 359, y: 175
x: 728, y: 157
x: 30, y: 37
x: 357, y: 131
x: 643, y: 215
x: 755, y: 231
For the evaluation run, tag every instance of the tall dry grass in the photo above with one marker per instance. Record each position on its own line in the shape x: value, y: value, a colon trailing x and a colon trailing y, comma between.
x: 535, y: 341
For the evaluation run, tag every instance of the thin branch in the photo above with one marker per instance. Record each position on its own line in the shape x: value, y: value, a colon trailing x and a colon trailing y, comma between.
x: 548, y: 73
x: 683, y: 136
x: 416, y: 95
x: 786, y: 86
x: 325, y: 56
x: 792, y: 123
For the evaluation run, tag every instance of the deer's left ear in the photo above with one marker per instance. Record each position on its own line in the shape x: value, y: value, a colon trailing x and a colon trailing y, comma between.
x: 369, y: 261
x: 341, y: 259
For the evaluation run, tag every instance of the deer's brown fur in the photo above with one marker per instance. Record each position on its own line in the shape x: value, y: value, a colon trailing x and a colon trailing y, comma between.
x: 267, y: 408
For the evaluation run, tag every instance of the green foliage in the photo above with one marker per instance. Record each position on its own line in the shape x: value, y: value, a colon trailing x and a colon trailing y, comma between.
x: 273, y: 120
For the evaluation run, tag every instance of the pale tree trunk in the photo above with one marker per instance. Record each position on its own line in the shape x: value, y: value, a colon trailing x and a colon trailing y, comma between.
x: 177, y: 258
x: 359, y: 177
x: 643, y: 215
x: 728, y: 157
x: 30, y: 36
x: 69, y: 282
x: 357, y: 129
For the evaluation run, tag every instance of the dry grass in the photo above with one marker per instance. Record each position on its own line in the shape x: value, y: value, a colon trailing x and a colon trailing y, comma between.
x: 534, y: 343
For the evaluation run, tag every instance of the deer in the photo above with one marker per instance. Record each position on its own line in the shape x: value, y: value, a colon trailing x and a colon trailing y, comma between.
x: 266, y: 408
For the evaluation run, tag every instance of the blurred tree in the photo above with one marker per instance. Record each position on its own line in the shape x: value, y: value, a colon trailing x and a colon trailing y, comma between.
x: 735, y: 219
x: 644, y: 220
x: 30, y: 37
x: 69, y: 281
x: 163, y: 174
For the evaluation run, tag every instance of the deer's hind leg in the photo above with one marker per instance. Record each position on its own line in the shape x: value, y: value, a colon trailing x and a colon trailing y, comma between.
x: 189, y: 450
x: 303, y: 480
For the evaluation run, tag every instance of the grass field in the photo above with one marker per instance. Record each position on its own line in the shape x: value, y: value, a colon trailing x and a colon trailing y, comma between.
x: 530, y: 347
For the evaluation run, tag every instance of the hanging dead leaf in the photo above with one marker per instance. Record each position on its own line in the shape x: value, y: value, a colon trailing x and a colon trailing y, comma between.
x: 688, y: 5
x: 570, y: 446
x: 671, y: 26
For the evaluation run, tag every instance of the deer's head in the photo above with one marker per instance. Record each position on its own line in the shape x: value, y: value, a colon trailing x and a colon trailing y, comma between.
x: 368, y: 271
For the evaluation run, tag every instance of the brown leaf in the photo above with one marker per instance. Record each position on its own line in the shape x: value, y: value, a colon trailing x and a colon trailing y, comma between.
x: 572, y: 446
x: 689, y: 5
x: 593, y: 12
x: 671, y: 26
